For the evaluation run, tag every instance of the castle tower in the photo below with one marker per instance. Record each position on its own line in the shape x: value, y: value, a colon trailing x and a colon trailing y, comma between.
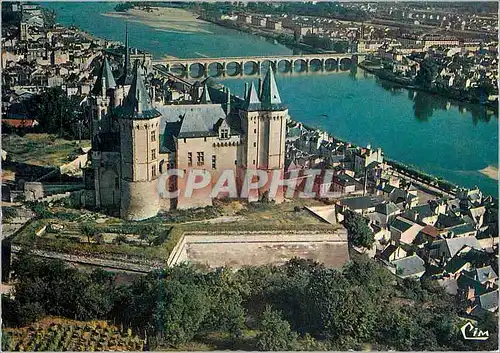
x: 102, y: 99
x: 139, y: 136
x: 105, y: 156
x: 264, y: 120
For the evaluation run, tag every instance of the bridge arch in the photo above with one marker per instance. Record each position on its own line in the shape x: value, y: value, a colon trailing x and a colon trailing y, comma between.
x: 264, y: 65
x: 316, y: 65
x: 178, y: 69
x: 197, y: 70
x: 215, y: 69
x: 331, y: 64
x: 300, y: 65
x: 233, y: 68
x: 251, y: 68
x: 345, y: 64
x: 284, y: 66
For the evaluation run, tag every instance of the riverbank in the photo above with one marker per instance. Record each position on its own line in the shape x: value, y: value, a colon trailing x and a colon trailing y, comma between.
x: 409, y: 84
x: 279, y: 38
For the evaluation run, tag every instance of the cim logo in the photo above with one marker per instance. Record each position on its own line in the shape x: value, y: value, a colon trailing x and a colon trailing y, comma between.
x: 473, y: 333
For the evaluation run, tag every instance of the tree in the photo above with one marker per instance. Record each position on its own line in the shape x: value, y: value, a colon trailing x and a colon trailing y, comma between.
x: 427, y: 73
x: 181, y: 309
x: 358, y: 231
x: 56, y: 112
x: 275, y: 334
x: 396, y: 329
x: 89, y: 230
x: 343, y: 313
x: 226, y: 312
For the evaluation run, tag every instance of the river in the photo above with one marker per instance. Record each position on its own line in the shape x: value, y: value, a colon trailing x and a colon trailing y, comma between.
x: 440, y: 137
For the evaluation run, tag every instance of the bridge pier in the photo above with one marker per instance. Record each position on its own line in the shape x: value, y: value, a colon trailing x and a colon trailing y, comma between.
x: 205, y: 70
x: 242, y: 68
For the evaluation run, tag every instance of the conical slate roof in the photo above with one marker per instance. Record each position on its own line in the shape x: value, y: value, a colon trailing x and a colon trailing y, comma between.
x: 205, y: 96
x: 105, y: 77
x: 138, y: 104
x: 270, y: 98
x: 252, y: 101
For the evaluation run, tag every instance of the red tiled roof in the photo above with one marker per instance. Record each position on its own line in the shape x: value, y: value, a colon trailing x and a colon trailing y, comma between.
x: 430, y: 230
x: 20, y: 122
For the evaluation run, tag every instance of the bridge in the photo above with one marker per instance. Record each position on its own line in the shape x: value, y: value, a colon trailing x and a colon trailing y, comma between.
x: 255, y: 65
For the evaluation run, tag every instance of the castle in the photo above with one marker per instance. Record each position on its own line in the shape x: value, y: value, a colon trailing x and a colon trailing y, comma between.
x: 136, y: 137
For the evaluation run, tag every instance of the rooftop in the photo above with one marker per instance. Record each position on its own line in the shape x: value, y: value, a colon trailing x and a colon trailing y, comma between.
x: 411, y: 265
x: 361, y: 202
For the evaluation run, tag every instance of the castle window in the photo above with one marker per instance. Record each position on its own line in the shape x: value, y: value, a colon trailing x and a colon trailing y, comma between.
x: 190, y: 159
x: 224, y: 133
x: 214, y: 161
x: 153, y: 154
x: 254, y: 131
x: 153, y: 136
x: 117, y: 183
x: 153, y: 171
x: 205, y: 139
x: 255, y: 144
x: 184, y: 140
x: 254, y: 161
x: 201, y: 159
x: 235, y: 162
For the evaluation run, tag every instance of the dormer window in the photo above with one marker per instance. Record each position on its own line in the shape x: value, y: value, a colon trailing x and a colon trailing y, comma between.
x: 224, y: 133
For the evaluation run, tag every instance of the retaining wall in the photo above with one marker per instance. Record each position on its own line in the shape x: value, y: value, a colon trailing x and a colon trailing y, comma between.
x: 238, y: 249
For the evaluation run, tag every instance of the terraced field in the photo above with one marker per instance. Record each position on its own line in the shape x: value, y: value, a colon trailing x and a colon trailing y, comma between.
x: 55, y: 334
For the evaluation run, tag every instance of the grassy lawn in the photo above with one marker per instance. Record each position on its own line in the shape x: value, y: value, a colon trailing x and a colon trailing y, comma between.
x: 40, y: 149
x: 238, y: 217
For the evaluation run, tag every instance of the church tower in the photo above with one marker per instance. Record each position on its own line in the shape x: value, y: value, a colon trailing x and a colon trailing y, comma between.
x: 139, y: 146
x: 264, y: 120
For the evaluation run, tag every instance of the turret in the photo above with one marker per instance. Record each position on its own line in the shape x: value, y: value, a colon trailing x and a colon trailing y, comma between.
x: 105, y: 80
x: 270, y: 97
x: 205, y: 96
x: 139, y: 136
x: 252, y: 101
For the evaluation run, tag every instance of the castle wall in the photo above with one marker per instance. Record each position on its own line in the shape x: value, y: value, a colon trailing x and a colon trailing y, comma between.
x: 139, y: 200
x: 227, y: 154
x: 106, y: 166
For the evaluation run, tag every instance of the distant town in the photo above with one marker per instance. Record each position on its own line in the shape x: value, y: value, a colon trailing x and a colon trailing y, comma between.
x: 89, y: 126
